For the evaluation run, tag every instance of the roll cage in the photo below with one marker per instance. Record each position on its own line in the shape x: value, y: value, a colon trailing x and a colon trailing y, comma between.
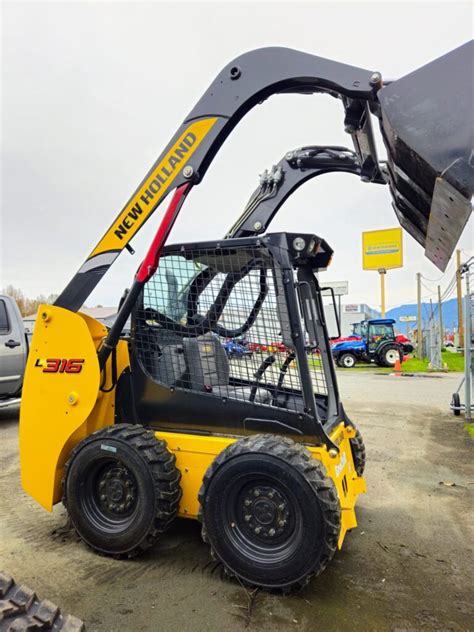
x: 269, y: 288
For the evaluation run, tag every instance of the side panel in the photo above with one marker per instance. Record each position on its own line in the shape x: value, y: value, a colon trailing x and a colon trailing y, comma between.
x: 195, y: 453
x: 62, y: 402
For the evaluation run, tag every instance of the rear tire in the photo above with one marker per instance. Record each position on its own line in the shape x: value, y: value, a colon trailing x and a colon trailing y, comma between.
x: 358, y: 452
x: 121, y: 489
x: 388, y: 356
x: 269, y: 512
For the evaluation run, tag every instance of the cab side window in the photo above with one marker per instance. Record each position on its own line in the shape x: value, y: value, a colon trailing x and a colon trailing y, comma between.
x: 4, y: 324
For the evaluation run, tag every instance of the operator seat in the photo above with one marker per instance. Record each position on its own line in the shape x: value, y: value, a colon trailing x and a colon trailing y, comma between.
x: 209, y: 370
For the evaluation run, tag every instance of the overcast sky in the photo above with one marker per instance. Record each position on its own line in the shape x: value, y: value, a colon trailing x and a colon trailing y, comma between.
x: 93, y: 91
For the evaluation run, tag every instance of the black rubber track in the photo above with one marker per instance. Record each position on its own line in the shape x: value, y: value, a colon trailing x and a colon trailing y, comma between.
x: 313, y: 472
x: 21, y: 609
x: 161, y: 465
x: 358, y: 452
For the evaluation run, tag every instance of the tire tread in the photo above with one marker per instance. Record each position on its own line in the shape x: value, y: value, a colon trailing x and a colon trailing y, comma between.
x: 21, y: 609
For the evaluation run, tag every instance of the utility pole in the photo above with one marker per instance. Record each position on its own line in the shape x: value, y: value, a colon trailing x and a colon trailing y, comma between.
x: 459, y: 297
x: 382, y: 273
x: 419, y: 328
x: 440, y: 312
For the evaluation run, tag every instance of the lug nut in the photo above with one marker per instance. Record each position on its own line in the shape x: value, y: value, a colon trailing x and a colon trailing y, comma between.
x: 281, y: 507
x: 247, y: 518
x: 271, y: 532
x: 281, y: 523
x: 257, y: 530
x: 256, y: 492
x: 102, y: 496
x: 247, y: 503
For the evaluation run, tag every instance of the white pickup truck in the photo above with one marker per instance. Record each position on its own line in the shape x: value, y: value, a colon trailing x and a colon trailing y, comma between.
x: 13, y: 351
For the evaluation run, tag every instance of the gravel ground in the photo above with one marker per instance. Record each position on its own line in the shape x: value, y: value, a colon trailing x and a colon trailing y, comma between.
x: 408, y: 566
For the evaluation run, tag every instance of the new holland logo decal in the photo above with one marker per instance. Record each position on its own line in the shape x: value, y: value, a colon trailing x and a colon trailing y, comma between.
x: 154, y: 187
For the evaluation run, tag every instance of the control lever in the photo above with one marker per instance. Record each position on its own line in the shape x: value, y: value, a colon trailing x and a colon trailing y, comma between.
x: 269, y: 360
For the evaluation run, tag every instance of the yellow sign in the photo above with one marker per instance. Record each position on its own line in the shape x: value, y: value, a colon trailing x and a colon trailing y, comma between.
x: 382, y: 249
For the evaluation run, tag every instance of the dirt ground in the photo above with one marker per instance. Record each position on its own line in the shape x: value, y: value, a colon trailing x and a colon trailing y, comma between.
x: 408, y: 566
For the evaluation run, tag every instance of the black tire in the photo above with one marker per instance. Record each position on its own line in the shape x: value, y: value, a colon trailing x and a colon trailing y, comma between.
x: 21, y: 609
x: 347, y: 360
x: 456, y: 402
x: 121, y: 489
x: 358, y: 452
x: 294, y: 510
x: 387, y: 355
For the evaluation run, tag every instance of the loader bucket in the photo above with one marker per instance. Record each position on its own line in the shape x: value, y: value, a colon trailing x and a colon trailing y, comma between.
x: 427, y: 125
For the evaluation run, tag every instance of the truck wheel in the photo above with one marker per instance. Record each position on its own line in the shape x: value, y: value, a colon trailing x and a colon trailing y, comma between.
x: 347, y: 361
x: 121, y: 489
x: 269, y: 512
x: 358, y: 452
x: 389, y: 356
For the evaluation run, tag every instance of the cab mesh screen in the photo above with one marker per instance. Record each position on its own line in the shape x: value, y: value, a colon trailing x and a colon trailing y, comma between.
x: 215, y: 323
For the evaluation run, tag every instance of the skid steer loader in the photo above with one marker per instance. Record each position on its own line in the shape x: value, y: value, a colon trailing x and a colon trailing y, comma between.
x: 131, y: 431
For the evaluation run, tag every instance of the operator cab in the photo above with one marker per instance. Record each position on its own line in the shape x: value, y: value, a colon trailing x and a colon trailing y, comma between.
x: 377, y: 330
x: 259, y: 291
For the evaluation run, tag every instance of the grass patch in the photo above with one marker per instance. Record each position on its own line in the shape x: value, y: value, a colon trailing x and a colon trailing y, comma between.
x: 470, y: 429
x: 454, y: 362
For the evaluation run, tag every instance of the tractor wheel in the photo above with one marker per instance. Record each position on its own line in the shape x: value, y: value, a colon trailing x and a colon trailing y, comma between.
x: 358, y: 452
x: 388, y: 356
x: 347, y: 360
x: 121, y: 489
x: 269, y: 512
x: 456, y: 403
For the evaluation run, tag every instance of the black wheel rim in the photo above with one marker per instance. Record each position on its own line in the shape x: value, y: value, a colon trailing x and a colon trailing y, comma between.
x: 109, y: 495
x: 262, y: 519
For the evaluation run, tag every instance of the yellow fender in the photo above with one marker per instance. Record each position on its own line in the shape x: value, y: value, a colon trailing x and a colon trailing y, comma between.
x: 62, y: 402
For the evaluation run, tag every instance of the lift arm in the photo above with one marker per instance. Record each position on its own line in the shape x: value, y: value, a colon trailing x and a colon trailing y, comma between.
x: 282, y: 180
x: 426, y: 131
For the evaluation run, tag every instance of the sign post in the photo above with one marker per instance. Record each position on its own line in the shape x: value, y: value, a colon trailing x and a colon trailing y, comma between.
x: 408, y: 320
x: 382, y: 250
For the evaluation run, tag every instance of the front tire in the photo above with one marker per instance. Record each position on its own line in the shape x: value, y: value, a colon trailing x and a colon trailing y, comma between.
x: 347, y: 361
x: 269, y: 512
x: 456, y: 403
x: 121, y: 489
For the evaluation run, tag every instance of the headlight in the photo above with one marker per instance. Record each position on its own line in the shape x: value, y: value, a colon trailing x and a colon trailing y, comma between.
x: 299, y: 244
